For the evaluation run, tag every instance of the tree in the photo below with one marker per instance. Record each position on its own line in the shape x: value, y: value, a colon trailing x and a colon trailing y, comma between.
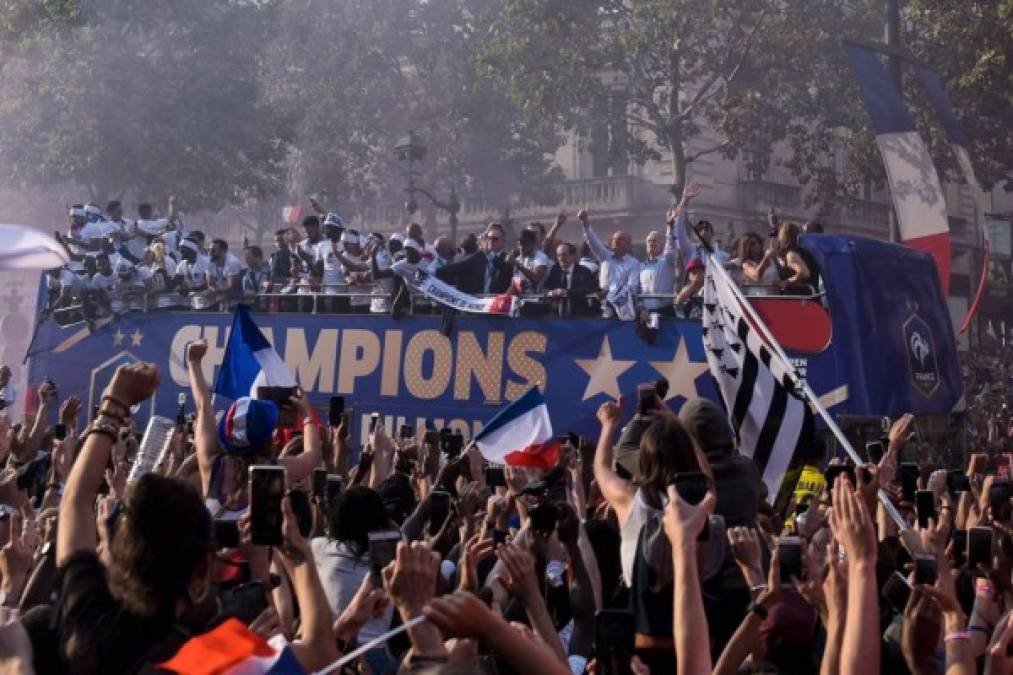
x: 695, y: 78
x: 125, y: 96
x: 971, y: 44
x: 395, y: 66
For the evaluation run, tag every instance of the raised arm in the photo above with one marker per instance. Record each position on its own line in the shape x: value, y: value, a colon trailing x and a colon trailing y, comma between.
x: 679, y: 222
x: 550, y: 243
x: 617, y: 491
x: 76, y: 530
x: 683, y: 523
x: 300, y: 466
x: 852, y: 526
x: 204, y: 429
x: 598, y: 249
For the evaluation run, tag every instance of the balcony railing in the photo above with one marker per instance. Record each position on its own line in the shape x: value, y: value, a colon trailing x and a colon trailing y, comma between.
x: 759, y: 195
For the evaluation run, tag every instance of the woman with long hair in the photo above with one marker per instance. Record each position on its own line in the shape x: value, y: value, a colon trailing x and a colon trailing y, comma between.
x: 758, y: 266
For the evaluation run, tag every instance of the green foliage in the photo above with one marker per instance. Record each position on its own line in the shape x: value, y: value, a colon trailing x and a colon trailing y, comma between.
x: 136, y: 96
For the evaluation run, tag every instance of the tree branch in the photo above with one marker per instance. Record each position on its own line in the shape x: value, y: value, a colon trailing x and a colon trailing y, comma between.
x: 707, y: 151
x: 706, y: 92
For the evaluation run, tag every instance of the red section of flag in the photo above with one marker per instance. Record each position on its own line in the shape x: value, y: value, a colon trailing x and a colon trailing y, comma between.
x: 538, y: 456
x: 979, y: 294
x: 798, y: 325
x: 292, y: 214
x: 501, y: 304
x: 218, y: 650
x: 938, y: 246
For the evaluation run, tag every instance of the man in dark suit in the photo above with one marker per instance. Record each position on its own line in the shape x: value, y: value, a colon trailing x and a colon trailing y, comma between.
x: 484, y: 271
x: 569, y: 280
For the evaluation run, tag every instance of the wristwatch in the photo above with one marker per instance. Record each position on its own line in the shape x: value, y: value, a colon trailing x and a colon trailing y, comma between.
x: 758, y: 610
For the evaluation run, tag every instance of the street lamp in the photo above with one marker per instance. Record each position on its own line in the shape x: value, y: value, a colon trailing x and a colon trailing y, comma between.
x: 412, y: 149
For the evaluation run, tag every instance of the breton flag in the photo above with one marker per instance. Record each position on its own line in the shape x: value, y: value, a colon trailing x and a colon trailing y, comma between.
x: 936, y: 93
x: 914, y: 184
x: 233, y: 649
x: 520, y: 434
x: 769, y: 415
x: 250, y: 361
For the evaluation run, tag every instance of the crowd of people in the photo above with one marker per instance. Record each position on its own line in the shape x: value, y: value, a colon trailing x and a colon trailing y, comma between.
x: 652, y: 549
x: 119, y: 265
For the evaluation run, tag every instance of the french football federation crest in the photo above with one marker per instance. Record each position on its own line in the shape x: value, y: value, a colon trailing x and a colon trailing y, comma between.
x: 921, y: 355
x: 102, y: 374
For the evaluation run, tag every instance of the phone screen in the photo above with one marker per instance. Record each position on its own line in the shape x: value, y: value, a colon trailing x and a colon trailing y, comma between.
x: 225, y: 533
x: 925, y: 504
x: 334, y: 485
x: 319, y: 482
x: 383, y: 548
x: 267, y: 489
x: 336, y: 410
x: 925, y: 570
x: 896, y: 590
x: 691, y: 486
x: 790, y: 552
x: 960, y: 547
x: 979, y: 547
x: 439, y: 507
x: 834, y: 470
x: 909, y: 481
x: 874, y: 451
x: 303, y: 511
x: 495, y: 476
x: 646, y: 398
x: 614, y: 636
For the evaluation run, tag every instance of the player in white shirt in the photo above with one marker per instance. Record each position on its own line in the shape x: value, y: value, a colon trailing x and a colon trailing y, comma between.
x: 191, y: 272
x: 531, y: 265
x: 224, y: 269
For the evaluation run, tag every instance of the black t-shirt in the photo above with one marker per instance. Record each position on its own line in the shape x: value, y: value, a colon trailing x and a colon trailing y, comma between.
x: 96, y: 633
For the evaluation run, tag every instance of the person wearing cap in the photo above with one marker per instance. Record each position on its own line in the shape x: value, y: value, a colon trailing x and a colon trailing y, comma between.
x: 329, y: 266
x: 81, y: 237
x: 695, y: 274
x: 244, y: 436
x: 127, y: 282
x: 356, y: 269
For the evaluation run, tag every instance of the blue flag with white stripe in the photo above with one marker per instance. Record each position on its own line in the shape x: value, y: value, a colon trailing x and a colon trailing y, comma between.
x: 250, y: 361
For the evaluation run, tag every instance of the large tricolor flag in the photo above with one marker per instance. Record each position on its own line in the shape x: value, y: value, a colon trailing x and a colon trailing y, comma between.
x: 769, y: 414
x: 914, y: 184
x: 233, y: 649
x: 520, y: 434
x: 936, y: 93
x: 250, y: 361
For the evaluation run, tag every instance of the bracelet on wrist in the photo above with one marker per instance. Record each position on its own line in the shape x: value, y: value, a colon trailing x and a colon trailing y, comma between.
x: 758, y: 610
x: 111, y: 417
x: 977, y: 628
x: 117, y: 402
x: 957, y: 635
x: 107, y: 430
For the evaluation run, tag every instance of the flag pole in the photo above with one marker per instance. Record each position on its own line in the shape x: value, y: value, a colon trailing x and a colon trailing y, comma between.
x: 799, y: 382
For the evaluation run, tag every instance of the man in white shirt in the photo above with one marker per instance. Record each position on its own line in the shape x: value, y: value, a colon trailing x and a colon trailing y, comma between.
x: 530, y: 263
x: 224, y: 269
x: 191, y: 272
x: 619, y: 272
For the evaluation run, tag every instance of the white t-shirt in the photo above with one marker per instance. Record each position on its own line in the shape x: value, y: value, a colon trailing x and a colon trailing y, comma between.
x: 341, y: 573
x: 194, y: 274
x: 9, y: 394
x: 382, y: 288
x: 531, y: 263
x: 334, y: 271
x: 101, y: 282
x: 95, y: 230
x: 221, y: 272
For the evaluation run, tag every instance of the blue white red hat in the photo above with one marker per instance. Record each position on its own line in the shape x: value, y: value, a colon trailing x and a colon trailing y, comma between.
x: 247, y: 425
x: 77, y: 211
x: 334, y: 219
x: 93, y: 213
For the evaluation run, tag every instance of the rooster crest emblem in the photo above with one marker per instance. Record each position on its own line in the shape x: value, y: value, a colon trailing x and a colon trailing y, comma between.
x: 921, y: 354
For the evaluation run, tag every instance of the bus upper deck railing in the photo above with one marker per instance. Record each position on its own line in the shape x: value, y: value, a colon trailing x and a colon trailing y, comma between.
x: 321, y: 299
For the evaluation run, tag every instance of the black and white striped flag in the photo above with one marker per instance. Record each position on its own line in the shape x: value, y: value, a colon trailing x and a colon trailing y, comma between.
x: 771, y: 418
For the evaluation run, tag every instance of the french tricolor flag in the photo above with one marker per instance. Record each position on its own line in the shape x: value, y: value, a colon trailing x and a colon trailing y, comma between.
x: 233, y: 649
x: 520, y: 434
x: 250, y: 361
x: 914, y: 184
